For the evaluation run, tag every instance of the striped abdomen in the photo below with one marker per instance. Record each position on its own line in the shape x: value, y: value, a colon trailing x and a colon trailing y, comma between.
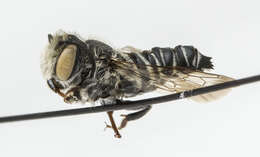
x: 147, y: 65
x: 182, y: 56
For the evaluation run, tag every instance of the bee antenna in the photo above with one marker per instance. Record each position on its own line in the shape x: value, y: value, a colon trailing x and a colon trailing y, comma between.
x: 50, y: 38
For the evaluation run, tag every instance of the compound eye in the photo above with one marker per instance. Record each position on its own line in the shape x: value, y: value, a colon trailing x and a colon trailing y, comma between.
x: 66, y: 62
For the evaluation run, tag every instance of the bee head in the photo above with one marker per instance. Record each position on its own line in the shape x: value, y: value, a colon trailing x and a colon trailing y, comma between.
x: 61, y: 60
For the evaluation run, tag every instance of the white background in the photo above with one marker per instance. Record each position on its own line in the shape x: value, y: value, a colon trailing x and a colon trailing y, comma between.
x: 228, y: 31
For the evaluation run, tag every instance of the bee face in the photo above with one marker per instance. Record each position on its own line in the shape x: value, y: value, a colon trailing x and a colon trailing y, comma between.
x: 66, y: 60
x: 59, y: 60
x: 51, y: 54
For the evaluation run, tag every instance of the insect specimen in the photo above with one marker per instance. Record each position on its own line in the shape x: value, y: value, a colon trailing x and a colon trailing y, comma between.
x: 91, y: 71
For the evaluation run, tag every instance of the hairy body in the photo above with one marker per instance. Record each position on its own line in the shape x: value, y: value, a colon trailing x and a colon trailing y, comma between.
x: 90, y: 71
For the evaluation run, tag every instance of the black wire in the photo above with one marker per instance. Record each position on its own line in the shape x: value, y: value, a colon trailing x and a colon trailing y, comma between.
x: 131, y: 104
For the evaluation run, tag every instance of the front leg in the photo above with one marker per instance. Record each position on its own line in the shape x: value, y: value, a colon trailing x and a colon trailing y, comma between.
x: 55, y: 86
x: 72, y: 96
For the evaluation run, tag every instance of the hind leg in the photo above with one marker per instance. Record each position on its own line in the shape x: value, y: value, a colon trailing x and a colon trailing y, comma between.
x: 113, y: 124
x: 110, y: 115
x: 134, y: 116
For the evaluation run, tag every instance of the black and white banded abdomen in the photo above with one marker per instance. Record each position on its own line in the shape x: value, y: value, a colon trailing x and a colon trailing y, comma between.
x: 151, y: 65
x: 182, y: 56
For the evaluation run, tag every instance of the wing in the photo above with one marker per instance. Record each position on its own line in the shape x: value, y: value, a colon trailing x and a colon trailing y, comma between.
x: 176, y: 79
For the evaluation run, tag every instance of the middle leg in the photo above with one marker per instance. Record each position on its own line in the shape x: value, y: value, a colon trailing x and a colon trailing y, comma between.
x: 134, y: 116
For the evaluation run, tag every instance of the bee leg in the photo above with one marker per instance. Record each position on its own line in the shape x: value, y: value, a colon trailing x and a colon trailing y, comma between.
x: 113, y: 124
x: 55, y: 87
x: 72, y: 95
x: 133, y: 116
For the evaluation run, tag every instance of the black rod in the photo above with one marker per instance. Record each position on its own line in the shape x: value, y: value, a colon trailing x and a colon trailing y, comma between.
x: 131, y: 104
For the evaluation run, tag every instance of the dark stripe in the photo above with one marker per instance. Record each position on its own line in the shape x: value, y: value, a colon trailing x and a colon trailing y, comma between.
x: 140, y: 65
x: 173, y: 54
x: 156, y: 51
x: 147, y: 55
x: 190, y: 53
x: 196, y: 58
x: 167, y: 59
x: 179, y: 57
x: 167, y: 56
x: 137, y: 60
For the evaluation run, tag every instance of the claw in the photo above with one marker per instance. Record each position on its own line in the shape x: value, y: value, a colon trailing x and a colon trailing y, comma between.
x: 113, y: 125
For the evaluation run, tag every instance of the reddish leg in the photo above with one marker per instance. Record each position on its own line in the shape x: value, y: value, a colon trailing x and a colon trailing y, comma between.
x: 133, y: 116
x: 113, y: 124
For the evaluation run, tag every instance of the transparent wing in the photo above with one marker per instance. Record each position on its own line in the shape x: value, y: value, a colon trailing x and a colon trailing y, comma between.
x: 176, y: 79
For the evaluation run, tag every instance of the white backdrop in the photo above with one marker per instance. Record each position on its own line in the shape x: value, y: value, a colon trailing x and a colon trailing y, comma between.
x: 229, y: 31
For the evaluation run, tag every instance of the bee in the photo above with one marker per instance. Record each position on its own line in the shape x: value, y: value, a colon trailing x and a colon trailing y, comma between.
x: 82, y: 71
